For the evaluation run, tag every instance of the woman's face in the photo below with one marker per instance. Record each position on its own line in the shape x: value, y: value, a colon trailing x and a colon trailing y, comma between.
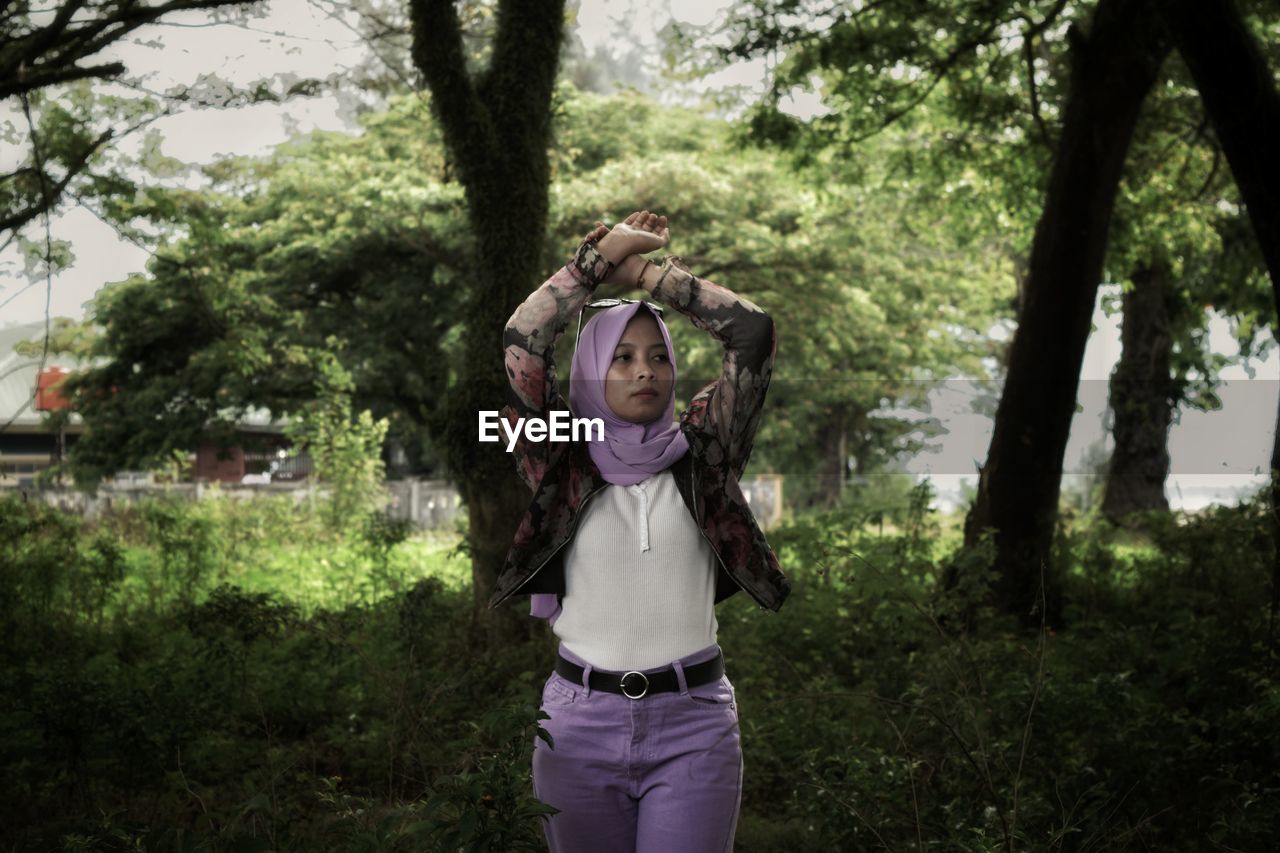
x: 638, y: 384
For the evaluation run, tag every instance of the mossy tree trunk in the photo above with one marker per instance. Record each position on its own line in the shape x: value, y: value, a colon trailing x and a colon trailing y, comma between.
x: 1142, y: 398
x: 497, y: 129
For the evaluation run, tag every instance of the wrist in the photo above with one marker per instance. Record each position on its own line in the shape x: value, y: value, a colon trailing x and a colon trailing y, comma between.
x: 643, y: 273
x: 590, y: 266
x: 627, y: 272
x: 614, y: 248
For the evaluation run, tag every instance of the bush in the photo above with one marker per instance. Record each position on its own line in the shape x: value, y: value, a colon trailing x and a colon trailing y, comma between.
x: 346, y: 448
x: 868, y: 723
x: 189, y: 677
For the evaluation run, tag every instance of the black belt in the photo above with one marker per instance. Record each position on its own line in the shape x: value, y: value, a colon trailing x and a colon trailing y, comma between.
x: 635, y: 684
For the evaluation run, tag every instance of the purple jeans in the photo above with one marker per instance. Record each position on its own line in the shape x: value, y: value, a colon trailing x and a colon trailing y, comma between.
x: 659, y: 774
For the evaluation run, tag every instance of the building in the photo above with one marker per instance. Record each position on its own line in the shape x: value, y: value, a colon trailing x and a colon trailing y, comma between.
x: 28, y: 445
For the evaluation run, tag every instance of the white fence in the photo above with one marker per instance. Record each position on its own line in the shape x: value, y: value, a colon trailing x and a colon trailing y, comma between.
x: 429, y: 504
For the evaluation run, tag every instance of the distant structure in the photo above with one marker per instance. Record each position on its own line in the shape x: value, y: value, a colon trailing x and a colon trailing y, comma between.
x: 27, y: 395
x: 29, y: 445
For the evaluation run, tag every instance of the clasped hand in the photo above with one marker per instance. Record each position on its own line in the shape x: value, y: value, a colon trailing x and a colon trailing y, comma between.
x: 624, y: 244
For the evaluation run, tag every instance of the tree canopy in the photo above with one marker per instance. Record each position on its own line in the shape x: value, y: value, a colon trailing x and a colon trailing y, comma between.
x: 358, y: 245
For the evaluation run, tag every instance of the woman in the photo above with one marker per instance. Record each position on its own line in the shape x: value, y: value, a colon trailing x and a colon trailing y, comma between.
x: 630, y: 542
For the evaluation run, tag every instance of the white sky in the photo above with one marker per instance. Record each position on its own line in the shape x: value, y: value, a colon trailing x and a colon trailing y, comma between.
x: 1213, y: 454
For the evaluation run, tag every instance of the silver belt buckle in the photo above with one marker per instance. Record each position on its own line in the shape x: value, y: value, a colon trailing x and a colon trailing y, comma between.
x: 623, y: 684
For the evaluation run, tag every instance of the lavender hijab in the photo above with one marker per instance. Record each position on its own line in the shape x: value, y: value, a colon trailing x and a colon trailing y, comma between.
x: 630, y: 452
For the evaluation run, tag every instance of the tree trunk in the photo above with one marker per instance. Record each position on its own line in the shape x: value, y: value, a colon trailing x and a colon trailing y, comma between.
x: 1018, y: 486
x: 1239, y: 93
x: 863, y: 449
x: 497, y: 129
x: 1141, y: 398
x: 835, y: 458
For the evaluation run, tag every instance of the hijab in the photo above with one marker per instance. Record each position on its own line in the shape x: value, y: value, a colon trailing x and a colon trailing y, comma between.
x: 630, y: 452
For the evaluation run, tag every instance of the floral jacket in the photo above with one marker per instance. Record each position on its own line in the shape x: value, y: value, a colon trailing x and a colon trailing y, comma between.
x: 720, y: 424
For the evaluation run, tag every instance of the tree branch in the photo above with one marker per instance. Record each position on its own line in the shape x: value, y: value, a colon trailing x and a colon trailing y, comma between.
x: 22, y: 217
x: 437, y: 51
x: 25, y: 81
x: 41, y: 40
x: 940, y: 70
x: 1028, y: 53
x: 371, y: 41
x: 520, y: 80
x: 21, y: 68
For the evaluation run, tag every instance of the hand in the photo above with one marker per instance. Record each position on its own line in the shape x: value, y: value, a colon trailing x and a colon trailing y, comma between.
x: 596, y: 233
x: 640, y: 232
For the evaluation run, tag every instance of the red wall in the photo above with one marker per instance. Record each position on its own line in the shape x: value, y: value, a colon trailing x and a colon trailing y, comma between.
x: 210, y: 467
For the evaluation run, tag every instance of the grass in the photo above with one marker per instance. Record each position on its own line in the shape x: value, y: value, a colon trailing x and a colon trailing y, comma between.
x: 318, y: 576
x: 270, y: 546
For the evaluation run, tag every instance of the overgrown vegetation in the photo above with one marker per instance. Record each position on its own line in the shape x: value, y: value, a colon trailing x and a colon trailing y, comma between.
x: 222, y: 676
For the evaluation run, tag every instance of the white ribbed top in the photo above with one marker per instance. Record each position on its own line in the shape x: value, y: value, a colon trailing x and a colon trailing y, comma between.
x: 639, y: 578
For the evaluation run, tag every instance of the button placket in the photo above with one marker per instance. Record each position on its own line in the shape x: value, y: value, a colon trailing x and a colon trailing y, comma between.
x: 642, y: 493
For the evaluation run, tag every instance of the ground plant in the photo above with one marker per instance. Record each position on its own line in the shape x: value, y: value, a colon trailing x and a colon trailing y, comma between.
x: 221, y: 676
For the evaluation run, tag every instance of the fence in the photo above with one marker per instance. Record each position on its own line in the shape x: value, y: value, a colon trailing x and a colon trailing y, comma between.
x: 429, y: 504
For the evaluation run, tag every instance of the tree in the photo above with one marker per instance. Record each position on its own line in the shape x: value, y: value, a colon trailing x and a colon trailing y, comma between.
x: 328, y: 248
x: 1175, y: 236
x: 1141, y: 396
x: 1113, y: 69
x: 1239, y: 92
x: 862, y: 318
x: 75, y: 118
x: 346, y: 447
x: 334, y: 237
x: 496, y: 123
x: 35, y: 56
x: 891, y: 56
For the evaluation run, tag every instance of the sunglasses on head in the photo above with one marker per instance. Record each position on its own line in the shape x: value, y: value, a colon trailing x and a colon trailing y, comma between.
x: 610, y: 303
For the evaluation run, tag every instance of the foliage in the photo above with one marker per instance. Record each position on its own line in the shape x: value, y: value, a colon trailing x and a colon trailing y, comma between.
x: 487, y: 804
x: 1178, y: 206
x: 147, y: 710
x: 865, y: 323
x: 887, y: 727
x: 332, y: 247
x: 346, y: 450
x: 78, y: 113
x: 155, y: 677
x: 961, y: 105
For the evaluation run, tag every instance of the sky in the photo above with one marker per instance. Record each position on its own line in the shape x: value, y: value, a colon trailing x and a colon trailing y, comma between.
x: 1215, y: 455
x: 296, y: 37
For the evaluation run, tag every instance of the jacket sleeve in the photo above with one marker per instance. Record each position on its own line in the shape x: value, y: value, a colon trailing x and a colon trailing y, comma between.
x: 728, y: 410
x: 528, y: 343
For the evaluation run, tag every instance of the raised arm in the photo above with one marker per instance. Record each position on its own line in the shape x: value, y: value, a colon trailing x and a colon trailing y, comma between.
x: 528, y: 344
x: 728, y: 410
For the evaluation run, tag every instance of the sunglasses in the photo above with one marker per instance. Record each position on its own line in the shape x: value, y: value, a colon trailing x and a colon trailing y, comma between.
x: 610, y: 303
